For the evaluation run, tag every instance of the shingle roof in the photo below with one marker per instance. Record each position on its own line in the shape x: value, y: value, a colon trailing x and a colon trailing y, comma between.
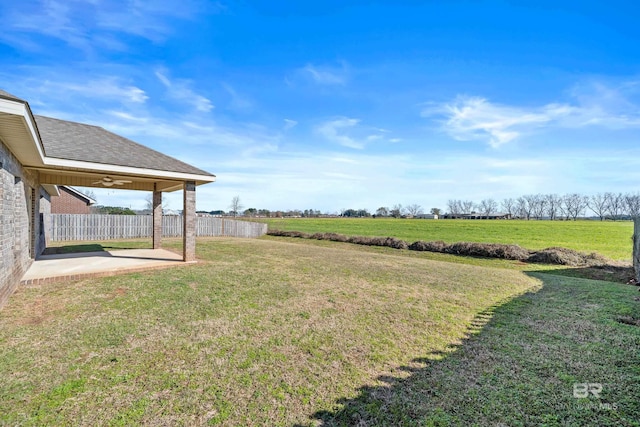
x: 8, y: 95
x: 87, y: 143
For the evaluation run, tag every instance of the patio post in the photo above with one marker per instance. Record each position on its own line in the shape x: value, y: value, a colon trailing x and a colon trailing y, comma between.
x: 189, y: 218
x: 157, y: 218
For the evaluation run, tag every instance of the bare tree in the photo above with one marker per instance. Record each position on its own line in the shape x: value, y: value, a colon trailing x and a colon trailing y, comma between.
x: 508, y: 206
x: 454, y: 207
x: 414, y: 209
x: 554, y: 205
x: 148, y: 203
x: 539, y: 205
x: 632, y: 204
x: 235, y: 206
x: 574, y: 204
x: 599, y: 204
x: 467, y: 206
x: 615, y: 205
x: 524, y: 206
x: 488, y: 207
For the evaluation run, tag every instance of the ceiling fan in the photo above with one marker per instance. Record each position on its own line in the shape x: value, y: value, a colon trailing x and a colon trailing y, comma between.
x: 110, y: 182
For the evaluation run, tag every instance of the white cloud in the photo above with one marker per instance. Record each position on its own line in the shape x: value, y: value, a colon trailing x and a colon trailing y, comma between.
x: 105, y: 88
x: 97, y: 24
x: 324, y: 74
x: 594, y: 104
x: 238, y: 102
x: 348, y: 132
x: 470, y: 118
x: 324, y: 77
x: 180, y: 90
x: 334, y: 131
x: 288, y: 124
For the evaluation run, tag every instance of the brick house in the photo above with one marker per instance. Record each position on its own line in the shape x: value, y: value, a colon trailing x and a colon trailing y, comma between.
x: 71, y: 201
x: 38, y: 153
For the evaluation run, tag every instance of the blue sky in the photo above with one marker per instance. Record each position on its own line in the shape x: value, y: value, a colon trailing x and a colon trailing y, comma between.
x: 345, y: 104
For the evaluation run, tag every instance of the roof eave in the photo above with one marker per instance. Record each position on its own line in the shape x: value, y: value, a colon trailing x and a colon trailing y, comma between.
x: 127, y: 170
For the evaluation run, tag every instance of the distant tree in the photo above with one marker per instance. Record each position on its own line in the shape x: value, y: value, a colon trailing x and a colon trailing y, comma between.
x: 350, y: 213
x: 235, y: 206
x: 217, y: 212
x: 414, y: 209
x: 113, y: 210
x: 453, y: 207
x: 382, y: 211
x: 488, y: 207
x: 148, y: 202
x: 539, y: 205
x: 397, y: 211
x: 251, y: 212
x: 526, y: 205
x: 508, y: 206
x: 632, y: 204
x: 615, y: 205
x: 467, y: 206
x: 522, y: 208
x: 356, y: 213
x: 435, y: 211
x: 554, y: 205
x: 599, y: 205
x: 574, y: 204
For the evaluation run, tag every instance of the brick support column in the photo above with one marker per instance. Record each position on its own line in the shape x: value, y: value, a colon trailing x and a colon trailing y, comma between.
x: 157, y: 218
x: 189, y: 217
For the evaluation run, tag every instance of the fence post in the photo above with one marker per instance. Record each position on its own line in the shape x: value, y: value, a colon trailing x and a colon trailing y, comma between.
x: 636, y: 248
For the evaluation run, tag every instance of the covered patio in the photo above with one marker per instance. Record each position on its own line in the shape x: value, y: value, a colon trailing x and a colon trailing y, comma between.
x: 54, y: 152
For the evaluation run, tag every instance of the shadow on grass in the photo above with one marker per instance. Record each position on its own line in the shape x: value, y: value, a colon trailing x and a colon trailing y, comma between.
x: 517, y: 366
x: 609, y: 273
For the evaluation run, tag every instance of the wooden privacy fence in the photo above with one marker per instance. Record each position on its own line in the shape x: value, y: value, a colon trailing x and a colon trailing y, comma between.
x: 67, y: 227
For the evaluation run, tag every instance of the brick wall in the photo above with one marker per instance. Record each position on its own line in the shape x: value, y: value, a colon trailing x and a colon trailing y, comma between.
x: 68, y: 203
x: 17, y: 205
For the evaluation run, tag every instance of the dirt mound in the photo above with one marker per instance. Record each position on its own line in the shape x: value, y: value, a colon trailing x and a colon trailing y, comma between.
x: 390, y: 242
x: 570, y: 257
x: 282, y: 233
x: 334, y: 237
x: 437, y: 246
x: 554, y: 255
x: 489, y: 250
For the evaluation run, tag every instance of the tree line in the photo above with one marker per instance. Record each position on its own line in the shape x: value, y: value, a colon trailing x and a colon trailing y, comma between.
x: 554, y: 206
x: 608, y: 205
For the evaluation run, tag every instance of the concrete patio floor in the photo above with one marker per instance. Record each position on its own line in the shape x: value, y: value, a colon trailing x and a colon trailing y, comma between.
x: 52, y: 268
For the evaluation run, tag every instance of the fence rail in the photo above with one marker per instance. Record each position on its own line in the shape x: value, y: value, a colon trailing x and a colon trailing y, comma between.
x: 67, y: 227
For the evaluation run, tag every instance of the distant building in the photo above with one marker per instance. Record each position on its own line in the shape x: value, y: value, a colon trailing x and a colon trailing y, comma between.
x: 71, y: 201
x: 426, y: 216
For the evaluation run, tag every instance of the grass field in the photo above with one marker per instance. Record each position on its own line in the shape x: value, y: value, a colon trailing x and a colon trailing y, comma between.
x: 293, y: 332
x: 611, y: 239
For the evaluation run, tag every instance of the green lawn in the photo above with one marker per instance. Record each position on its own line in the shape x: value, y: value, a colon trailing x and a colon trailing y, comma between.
x: 294, y: 332
x: 611, y: 239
